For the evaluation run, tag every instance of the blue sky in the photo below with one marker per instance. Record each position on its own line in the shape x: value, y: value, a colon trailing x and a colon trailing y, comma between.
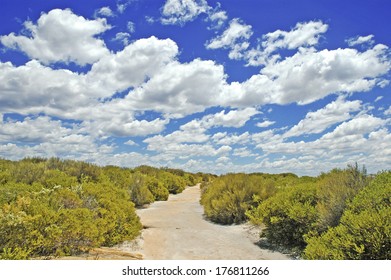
x: 213, y: 86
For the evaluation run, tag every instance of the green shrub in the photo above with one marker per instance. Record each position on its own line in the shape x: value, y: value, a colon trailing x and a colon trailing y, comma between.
x: 227, y: 198
x: 365, y: 228
x: 288, y: 215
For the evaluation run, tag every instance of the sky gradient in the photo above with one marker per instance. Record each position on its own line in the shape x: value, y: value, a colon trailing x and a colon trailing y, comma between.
x: 212, y: 86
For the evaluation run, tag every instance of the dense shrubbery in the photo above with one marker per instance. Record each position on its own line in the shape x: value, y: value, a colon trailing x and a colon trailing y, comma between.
x: 364, y: 231
x: 53, y: 207
x: 227, y: 198
x: 288, y: 215
x: 342, y: 214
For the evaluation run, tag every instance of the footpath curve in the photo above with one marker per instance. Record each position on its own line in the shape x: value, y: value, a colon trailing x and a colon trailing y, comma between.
x: 176, y: 229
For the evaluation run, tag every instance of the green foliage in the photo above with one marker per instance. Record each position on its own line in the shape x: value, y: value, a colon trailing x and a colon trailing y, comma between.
x: 174, y: 184
x: 364, y: 231
x: 227, y: 198
x: 288, y: 215
x: 342, y: 214
x: 55, y: 208
x: 157, y: 189
x: 139, y: 191
x: 335, y: 190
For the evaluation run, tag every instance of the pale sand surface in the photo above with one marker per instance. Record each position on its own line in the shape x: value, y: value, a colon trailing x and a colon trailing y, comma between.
x: 176, y: 229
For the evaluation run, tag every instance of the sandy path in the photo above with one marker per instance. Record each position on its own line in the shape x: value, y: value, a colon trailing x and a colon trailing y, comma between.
x: 176, y: 229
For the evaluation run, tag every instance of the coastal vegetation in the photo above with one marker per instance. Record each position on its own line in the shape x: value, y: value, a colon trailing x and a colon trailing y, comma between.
x: 342, y: 214
x: 52, y: 207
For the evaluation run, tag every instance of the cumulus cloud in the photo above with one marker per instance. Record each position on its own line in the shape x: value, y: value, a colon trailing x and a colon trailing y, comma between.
x: 134, y: 128
x: 33, y: 88
x: 182, y: 11
x: 130, y: 143
x: 61, y: 36
x: 303, y: 34
x: 234, y: 118
x: 233, y: 139
x: 181, y: 88
x: 32, y: 130
x: 359, y: 40
x: 44, y: 137
x: 333, y: 113
x: 243, y: 152
x: 265, y: 123
x: 112, y: 98
x: 131, y: 27
x: 310, y: 75
x: 173, y: 151
x: 133, y: 65
x: 350, y: 139
x: 236, y: 31
x: 122, y: 5
x: 105, y: 12
x: 218, y: 18
x: 360, y: 125
x: 235, y: 38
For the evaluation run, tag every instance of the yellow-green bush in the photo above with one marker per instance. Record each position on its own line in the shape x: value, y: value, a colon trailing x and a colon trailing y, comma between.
x: 364, y: 231
x: 288, y: 215
x: 227, y: 198
x: 53, y: 212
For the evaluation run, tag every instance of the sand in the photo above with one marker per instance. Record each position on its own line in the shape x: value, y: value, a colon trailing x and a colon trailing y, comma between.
x: 176, y: 229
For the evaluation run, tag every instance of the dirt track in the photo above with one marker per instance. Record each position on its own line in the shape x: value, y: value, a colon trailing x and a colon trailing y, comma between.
x: 176, y: 229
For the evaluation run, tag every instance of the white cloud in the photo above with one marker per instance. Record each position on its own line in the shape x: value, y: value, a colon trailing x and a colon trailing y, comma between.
x: 309, y: 75
x: 234, y: 118
x: 235, y: 37
x: 61, y: 36
x: 122, y: 37
x: 150, y: 19
x: 44, y: 137
x: 182, y: 11
x: 304, y: 34
x: 243, y: 152
x: 333, y: 113
x: 360, y: 125
x: 177, y: 137
x: 181, y: 89
x: 359, y: 40
x: 110, y: 99
x: 378, y: 98
x: 130, y: 143
x: 223, y: 160
x: 173, y: 151
x: 122, y: 5
x: 234, y: 139
x: 349, y: 139
x: 32, y: 130
x: 265, y: 123
x: 217, y: 17
x: 133, y: 65
x: 131, y: 27
x: 364, y: 140
x: 218, y: 136
x: 117, y: 127
x: 34, y: 88
x: 105, y: 12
